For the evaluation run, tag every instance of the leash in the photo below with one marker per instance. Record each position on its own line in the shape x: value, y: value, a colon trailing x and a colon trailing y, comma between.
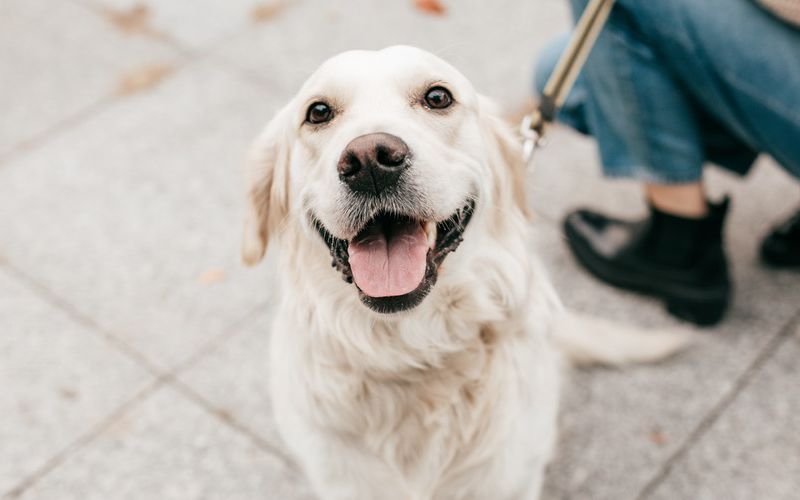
x: 588, y: 28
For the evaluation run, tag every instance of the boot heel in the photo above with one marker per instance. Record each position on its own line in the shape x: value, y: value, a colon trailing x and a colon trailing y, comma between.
x: 700, y: 313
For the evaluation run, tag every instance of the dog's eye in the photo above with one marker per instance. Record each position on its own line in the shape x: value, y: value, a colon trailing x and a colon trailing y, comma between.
x: 319, y: 112
x: 438, y: 98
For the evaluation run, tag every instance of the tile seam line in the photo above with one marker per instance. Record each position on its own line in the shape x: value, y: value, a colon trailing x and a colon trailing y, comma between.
x: 53, y: 131
x: 248, y: 75
x: 741, y: 383
x: 144, y: 393
x: 55, y: 300
x: 26, y: 146
x: 97, y: 8
x: 229, y: 332
x: 62, y: 455
x: 260, y: 442
x: 33, y: 143
x: 184, y: 57
x: 232, y: 329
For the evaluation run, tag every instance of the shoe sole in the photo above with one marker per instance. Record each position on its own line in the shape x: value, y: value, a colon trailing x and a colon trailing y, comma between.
x: 704, y: 307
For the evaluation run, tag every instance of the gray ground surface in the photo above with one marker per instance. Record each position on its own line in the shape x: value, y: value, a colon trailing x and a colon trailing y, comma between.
x: 133, y: 344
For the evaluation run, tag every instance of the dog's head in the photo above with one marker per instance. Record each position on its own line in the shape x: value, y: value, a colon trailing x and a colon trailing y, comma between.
x: 386, y: 157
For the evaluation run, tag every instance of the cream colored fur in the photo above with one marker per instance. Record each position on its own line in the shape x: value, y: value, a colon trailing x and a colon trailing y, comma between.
x: 456, y: 398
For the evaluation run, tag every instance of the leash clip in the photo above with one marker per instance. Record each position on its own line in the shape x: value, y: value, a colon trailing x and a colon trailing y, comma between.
x: 591, y: 22
x: 532, y: 139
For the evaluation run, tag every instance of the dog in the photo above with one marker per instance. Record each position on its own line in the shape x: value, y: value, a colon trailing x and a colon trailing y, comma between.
x: 415, y: 353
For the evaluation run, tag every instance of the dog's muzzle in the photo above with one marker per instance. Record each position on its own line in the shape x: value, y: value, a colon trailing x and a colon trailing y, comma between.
x: 394, y: 259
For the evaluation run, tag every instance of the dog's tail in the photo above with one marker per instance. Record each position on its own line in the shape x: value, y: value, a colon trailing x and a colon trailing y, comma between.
x: 586, y: 340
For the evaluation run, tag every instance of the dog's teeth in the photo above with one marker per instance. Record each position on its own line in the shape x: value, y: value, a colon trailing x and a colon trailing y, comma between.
x: 430, y: 231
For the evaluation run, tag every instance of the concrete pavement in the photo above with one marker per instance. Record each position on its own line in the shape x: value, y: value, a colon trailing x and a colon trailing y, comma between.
x: 133, y: 344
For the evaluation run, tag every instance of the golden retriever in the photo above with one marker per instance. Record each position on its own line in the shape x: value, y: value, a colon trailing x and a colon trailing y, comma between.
x: 415, y: 351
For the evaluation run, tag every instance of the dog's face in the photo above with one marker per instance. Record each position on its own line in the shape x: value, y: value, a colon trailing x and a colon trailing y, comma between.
x: 384, y: 154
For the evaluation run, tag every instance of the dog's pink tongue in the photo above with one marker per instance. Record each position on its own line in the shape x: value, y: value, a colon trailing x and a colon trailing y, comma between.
x: 392, y: 264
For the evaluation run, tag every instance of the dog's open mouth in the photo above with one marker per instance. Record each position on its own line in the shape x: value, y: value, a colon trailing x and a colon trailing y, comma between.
x: 394, y: 259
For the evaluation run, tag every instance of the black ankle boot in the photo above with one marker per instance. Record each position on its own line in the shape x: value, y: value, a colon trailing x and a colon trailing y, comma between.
x: 676, y: 259
x: 781, y: 248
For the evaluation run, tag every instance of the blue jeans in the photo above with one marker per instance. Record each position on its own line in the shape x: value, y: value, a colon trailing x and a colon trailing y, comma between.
x: 672, y: 84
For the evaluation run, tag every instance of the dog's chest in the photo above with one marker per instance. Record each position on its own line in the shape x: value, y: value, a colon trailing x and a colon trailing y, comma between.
x: 423, y: 421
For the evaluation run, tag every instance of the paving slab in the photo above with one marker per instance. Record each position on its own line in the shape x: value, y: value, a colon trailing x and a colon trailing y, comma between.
x: 235, y: 378
x: 53, y: 69
x: 193, y: 24
x: 18, y: 11
x: 59, y: 380
x: 753, y: 450
x: 134, y: 217
x: 170, y: 449
x: 493, y: 43
x: 618, y: 426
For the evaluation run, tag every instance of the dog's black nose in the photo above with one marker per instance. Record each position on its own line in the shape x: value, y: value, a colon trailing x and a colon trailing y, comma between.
x: 373, y: 162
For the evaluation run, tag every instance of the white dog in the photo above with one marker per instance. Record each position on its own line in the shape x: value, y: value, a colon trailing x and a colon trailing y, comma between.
x: 421, y: 364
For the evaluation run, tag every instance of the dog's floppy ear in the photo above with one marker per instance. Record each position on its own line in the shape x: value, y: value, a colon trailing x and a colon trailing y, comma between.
x: 505, y: 156
x: 267, y: 179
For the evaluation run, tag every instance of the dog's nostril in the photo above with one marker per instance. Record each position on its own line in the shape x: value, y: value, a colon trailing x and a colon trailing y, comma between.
x: 389, y: 158
x: 349, y: 165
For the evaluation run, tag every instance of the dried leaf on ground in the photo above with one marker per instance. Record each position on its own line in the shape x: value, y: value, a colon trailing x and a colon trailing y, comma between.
x: 68, y: 393
x: 225, y: 415
x: 657, y: 436
x: 267, y: 11
x: 212, y: 276
x: 143, y: 78
x: 133, y: 20
x: 430, y: 7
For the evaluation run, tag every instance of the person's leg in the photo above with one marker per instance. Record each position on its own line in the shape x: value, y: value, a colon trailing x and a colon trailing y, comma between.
x: 750, y: 81
x: 647, y: 128
x: 645, y: 124
x: 655, y: 125
x: 741, y: 63
x: 737, y: 61
x: 671, y: 84
x: 685, y: 200
x: 607, y: 101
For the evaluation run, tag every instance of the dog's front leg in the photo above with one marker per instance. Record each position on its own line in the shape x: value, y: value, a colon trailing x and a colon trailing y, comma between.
x: 534, y: 489
x: 339, y: 470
